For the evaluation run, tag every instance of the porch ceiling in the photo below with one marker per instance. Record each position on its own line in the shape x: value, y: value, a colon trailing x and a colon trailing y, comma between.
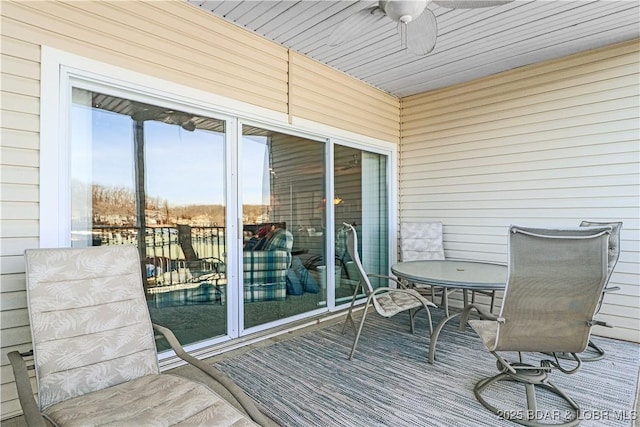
x: 471, y: 43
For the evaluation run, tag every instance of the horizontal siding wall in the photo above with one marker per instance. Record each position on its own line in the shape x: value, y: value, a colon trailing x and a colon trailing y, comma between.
x: 19, y: 160
x: 170, y: 40
x: 324, y: 95
x: 544, y: 145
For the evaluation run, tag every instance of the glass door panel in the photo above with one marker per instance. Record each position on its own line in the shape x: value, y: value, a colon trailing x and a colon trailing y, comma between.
x: 361, y: 199
x: 153, y: 177
x: 283, y: 225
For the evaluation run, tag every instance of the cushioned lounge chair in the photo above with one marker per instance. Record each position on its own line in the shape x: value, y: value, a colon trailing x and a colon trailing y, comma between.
x: 94, y: 350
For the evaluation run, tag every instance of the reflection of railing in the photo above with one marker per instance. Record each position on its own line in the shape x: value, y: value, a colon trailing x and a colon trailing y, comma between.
x: 164, y: 255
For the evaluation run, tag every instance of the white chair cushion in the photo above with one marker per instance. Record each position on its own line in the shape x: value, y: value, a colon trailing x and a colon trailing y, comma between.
x: 393, y: 302
x: 421, y: 240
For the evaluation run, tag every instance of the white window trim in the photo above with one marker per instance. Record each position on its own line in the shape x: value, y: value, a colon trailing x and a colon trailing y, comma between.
x: 58, y: 67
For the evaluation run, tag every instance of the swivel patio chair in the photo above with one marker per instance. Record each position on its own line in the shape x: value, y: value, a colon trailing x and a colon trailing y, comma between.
x: 386, y: 301
x: 555, y: 282
x: 94, y: 351
x: 596, y: 352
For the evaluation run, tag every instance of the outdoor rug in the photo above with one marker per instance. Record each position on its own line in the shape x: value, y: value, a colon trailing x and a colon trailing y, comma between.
x: 307, y: 380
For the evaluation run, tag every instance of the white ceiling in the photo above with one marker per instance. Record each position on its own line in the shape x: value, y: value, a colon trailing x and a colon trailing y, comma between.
x: 471, y: 43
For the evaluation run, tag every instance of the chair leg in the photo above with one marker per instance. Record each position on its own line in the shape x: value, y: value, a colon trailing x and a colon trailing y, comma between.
x: 355, y: 341
x: 601, y: 354
x: 411, y: 320
x: 529, y: 416
x: 586, y: 357
x: 350, y: 313
x: 445, y: 302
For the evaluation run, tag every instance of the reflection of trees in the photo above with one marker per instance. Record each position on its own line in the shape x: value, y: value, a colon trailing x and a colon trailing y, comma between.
x: 109, y: 202
x: 113, y: 200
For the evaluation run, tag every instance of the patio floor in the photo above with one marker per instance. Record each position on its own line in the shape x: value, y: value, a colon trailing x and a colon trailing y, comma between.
x: 304, y: 378
x: 307, y: 380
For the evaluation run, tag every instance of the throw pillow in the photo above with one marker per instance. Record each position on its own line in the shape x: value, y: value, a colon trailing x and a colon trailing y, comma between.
x: 279, y: 240
x: 309, y: 283
x: 294, y: 286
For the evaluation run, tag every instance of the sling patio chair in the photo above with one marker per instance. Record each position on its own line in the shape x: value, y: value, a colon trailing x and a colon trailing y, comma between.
x: 94, y: 350
x: 555, y: 282
x: 386, y: 301
x: 596, y: 352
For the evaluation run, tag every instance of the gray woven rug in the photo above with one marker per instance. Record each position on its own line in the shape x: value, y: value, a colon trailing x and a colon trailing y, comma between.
x: 308, y: 381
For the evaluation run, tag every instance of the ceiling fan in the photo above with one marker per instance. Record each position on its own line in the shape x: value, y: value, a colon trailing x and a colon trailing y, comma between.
x: 184, y: 120
x: 417, y: 25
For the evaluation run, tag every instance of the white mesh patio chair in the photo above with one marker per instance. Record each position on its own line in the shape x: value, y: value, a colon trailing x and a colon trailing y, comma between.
x: 424, y: 241
x: 555, y: 282
x: 386, y: 301
x: 94, y: 350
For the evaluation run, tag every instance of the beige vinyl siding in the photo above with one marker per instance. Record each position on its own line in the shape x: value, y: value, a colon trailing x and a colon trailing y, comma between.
x: 322, y: 94
x: 19, y: 160
x: 170, y: 40
x: 544, y: 145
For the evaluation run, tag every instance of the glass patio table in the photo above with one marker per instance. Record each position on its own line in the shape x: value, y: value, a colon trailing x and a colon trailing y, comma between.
x: 451, y: 275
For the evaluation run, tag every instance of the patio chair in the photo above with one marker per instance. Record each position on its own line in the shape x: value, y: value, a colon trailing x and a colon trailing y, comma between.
x: 386, y: 301
x: 613, y: 256
x: 94, y: 352
x: 201, y: 269
x: 423, y: 241
x: 555, y: 282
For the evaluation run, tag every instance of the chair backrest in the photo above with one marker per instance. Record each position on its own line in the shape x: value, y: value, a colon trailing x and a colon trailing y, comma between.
x: 614, y: 242
x: 421, y: 240
x: 90, y: 323
x: 185, y: 242
x: 555, y: 281
x: 352, y: 250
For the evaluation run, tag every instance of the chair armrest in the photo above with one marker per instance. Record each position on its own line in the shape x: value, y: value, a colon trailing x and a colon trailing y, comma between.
x: 411, y: 292
x: 464, y: 316
x: 382, y: 276
x: 223, y: 379
x: 30, y: 408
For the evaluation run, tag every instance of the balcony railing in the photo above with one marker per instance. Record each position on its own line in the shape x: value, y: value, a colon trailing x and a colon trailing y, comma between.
x: 165, y: 248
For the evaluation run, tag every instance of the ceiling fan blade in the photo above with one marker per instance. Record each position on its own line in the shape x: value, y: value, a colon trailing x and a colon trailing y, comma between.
x: 148, y: 114
x: 421, y: 33
x: 355, y: 25
x: 470, y: 4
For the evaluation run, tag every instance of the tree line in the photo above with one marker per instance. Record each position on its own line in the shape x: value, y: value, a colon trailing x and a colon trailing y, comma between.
x: 121, y: 201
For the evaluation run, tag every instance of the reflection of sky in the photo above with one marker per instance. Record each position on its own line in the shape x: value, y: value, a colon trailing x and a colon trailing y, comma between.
x: 181, y: 167
x: 254, y: 168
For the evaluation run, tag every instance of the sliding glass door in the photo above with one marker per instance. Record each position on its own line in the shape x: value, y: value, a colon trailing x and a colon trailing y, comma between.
x: 144, y: 174
x: 361, y: 199
x: 283, y: 253
x: 154, y: 177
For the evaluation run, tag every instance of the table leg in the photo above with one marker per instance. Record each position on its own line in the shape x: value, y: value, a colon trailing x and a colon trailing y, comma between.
x: 445, y: 301
x: 436, y: 333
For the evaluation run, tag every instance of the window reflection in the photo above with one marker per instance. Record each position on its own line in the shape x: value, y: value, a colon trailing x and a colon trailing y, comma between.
x: 284, y: 246
x: 361, y: 196
x: 154, y: 178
